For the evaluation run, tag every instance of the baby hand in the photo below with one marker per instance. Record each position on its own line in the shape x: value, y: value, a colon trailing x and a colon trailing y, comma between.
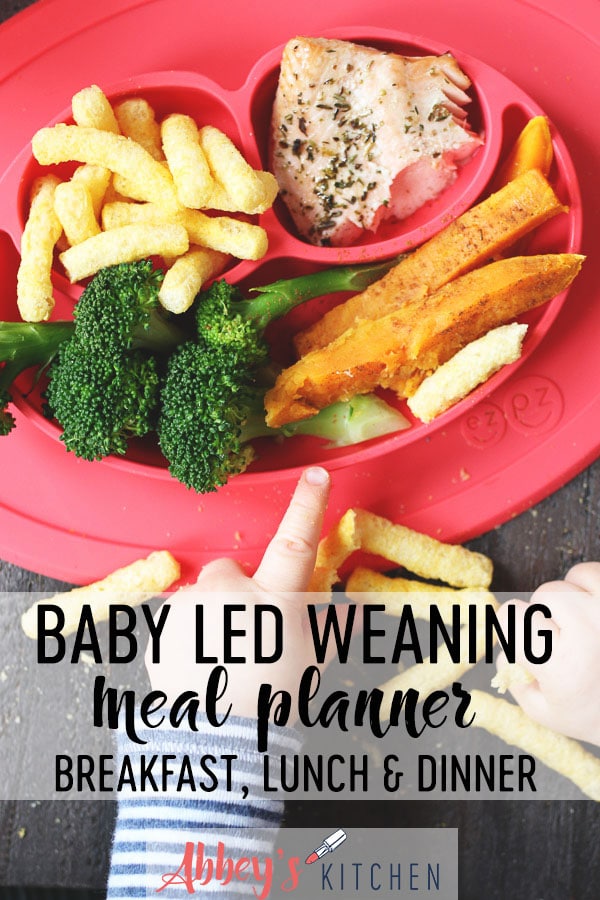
x: 280, y: 580
x: 563, y: 694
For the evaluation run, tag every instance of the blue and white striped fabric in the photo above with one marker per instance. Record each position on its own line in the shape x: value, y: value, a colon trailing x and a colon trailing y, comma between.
x: 153, y: 828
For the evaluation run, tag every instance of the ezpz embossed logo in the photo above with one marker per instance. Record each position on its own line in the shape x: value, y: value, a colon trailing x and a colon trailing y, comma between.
x: 484, y: 426
x: 385, y: 863
x: 533, y: 406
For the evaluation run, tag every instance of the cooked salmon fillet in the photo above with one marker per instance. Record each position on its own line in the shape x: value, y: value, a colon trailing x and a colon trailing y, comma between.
x: 359, y: 135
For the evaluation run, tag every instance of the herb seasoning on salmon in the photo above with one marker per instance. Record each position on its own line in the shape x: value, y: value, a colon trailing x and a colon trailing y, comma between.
x: 360, y: 135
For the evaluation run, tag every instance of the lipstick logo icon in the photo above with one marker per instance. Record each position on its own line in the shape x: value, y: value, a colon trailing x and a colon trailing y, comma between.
x: 328, y: 845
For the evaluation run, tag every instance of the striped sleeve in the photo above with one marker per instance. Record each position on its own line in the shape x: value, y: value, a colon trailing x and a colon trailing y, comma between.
x: 197, y: 804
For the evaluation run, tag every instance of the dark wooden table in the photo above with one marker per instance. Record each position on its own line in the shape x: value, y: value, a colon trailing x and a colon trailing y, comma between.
x: 509, y: 850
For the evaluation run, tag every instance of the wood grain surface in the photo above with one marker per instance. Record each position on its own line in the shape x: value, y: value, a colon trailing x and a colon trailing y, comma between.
x: 509, y: 850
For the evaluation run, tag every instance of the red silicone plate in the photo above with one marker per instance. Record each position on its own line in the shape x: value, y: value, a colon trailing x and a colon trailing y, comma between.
x: 498, y: 111
x: 76, y: 520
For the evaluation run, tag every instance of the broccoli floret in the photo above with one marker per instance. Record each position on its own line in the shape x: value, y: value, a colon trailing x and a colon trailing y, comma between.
x: 103, y: 388
x: 102, y: 401
x: 7, y: 420
x: 212, y: 401
x: 204, y: 405
x: 105, y: 380
x: 119, y: 311
x: 227, y: 324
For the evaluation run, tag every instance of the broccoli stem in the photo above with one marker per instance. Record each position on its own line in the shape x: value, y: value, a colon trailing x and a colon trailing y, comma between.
x: 342, y: 424
x: 348, y: 422
x: 281, y: 296
x: 25, y: 344
x: 158, y: 335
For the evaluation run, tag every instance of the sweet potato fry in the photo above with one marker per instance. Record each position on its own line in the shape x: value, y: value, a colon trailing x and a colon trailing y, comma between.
x: 479, y: 234
x: 380, y: 351
x: 532, y: 150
